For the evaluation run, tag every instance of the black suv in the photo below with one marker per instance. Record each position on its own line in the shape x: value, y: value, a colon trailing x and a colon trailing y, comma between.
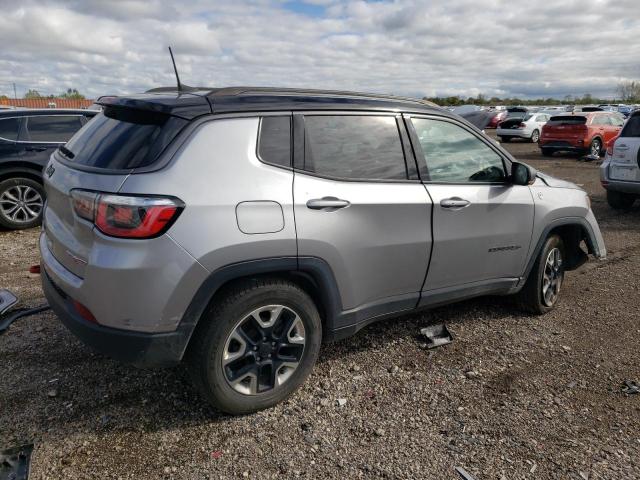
x: 27, y: 138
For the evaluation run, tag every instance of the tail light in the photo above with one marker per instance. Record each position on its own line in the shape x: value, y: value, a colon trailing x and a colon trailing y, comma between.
x: 125, y: 216
x: 610, y: 149
x: 522, y: 125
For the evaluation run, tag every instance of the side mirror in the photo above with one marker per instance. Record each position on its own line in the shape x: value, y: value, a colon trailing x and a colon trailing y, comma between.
x: 522, y: 174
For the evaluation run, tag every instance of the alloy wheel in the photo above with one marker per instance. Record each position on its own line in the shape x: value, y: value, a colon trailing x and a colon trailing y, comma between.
x: 264, y: 349
x: 595, y: 148
x: 535, y: 136
x: 552, y: 278
x: 21, y: 204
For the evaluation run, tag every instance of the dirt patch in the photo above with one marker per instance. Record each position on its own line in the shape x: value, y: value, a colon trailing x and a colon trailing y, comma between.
x: 545, y: 400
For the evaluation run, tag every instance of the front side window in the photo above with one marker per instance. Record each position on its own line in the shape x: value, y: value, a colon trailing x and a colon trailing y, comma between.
x: 274, y: 142
x: 455, y: 155
x: 50, y: 128
x: 354, y: 147
x: 9, y: 128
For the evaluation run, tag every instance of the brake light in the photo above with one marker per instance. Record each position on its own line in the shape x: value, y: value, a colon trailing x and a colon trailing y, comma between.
x: 522, y: 125
x: 127, y: 216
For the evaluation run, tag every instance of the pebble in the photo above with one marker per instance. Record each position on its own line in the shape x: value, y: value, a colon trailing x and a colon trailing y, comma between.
x: 341, y: 402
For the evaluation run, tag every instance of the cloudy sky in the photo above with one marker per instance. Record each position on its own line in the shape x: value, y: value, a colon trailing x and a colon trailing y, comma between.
x: 445, y: 47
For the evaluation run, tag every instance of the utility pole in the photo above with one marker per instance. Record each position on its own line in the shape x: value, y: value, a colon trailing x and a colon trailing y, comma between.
x: 15, y: 95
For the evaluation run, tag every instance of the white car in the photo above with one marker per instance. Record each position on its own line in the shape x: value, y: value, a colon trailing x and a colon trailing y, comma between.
x: 528, y: 127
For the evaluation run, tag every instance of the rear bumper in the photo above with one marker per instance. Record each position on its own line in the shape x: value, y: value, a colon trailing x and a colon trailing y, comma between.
x: 562, y: 145
x: 141, y: 349
x: 614, y: 185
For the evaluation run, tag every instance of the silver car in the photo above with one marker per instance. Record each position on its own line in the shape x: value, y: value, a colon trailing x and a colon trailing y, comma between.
x: 527, y: 127
x: 236, y: 229
x: 620, y: 171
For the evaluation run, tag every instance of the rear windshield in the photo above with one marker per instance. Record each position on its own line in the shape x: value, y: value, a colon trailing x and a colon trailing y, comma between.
x: 122, y: 139
x: 632, y: 128
x: 567, y: 120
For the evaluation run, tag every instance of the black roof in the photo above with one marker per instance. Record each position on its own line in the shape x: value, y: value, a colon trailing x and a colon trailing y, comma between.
x: 195, y: 101
x: 23, y: 112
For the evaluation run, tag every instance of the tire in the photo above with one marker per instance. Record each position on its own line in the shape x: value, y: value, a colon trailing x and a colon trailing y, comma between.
x: 620, y: 200
x: 21, y: 203
x: 535, y: 136
x: 505, y: 139
x: 235, y: 388
x: 546, y: 152
x: 532, y: 298
x: 595, y: 148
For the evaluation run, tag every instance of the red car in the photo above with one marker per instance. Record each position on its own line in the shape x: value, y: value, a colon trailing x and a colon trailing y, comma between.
x: 581, y: 132
x: 497, y: 118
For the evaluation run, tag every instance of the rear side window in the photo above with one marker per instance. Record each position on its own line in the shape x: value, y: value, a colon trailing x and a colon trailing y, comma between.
x: 601, y: 120
x: 632, y: 128
x: 50, y: 128
x: 9, y: 128
x: 122, y: 138
x: 354, y: 147
x: 274, y: 142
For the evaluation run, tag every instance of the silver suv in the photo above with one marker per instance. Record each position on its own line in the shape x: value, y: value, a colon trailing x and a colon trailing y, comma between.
x: 620, y: 171
x: 237, y: 228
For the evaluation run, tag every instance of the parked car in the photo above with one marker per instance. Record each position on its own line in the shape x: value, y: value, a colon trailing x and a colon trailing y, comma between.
x: 582, y: 133
x: 620, y: 171
x: 237, y: 228
x: 498, y: 117
x: 528, y: 127
x: 27, y: 139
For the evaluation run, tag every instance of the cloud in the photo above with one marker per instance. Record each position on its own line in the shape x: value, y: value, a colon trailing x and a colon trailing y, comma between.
x: 464, y: 47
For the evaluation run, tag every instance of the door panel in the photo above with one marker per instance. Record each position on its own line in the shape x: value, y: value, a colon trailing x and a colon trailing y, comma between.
x: 486, y: 239
x: 482, y: 224
x: 377, y: 247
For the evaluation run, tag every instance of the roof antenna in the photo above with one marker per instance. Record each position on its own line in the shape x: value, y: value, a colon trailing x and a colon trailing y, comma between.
x: 175, y: 70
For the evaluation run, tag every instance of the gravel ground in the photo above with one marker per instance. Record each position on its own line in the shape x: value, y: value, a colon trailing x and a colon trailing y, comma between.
x: 512, y: 397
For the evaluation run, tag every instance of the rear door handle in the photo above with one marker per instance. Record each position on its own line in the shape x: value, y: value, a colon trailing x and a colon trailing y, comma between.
x: 454, y: 203
x: 327, y: 203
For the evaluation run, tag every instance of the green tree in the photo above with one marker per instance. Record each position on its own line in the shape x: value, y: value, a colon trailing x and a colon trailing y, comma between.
x: 32, y: 94
x: 72, y: 94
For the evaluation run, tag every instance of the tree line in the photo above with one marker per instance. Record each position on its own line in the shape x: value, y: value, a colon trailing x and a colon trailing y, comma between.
x: 626, y: 92
x: 70, y: 93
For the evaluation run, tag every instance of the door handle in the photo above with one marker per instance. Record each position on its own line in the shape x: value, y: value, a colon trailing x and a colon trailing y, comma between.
x: 36, y: 149
x: 327, y: 203
x: 454, y: 203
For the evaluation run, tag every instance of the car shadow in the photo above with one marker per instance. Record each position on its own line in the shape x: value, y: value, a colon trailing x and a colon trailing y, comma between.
x: 58, y: 385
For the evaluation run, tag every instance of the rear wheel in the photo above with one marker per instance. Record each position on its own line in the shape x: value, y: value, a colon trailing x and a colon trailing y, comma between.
x: 542, y: 289
x: 620, y: 200
x: 595, y: 148
x: 535, y: 136
x: 21, y: 203
x: 257, y: 345
x: 546, y: 152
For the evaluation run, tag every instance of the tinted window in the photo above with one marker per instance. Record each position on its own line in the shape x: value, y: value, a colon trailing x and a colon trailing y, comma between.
x: 454, y: 154
x: 567, y: 120
x: 9, y: 128
x: 274, y: 144
x: 49, y: 128
x: 632, y: 128
x: 121, y: 138
x: 354, y: 147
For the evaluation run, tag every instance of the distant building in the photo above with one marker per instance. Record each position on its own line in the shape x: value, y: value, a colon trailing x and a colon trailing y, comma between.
x: 45, y: 102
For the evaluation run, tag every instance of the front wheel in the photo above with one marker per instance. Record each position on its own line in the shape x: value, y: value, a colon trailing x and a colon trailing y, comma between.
x: 21, y: 203
x: 257, y: 345
x: 535, y: 136
x: 541, y: 292
x: 595, y: 148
